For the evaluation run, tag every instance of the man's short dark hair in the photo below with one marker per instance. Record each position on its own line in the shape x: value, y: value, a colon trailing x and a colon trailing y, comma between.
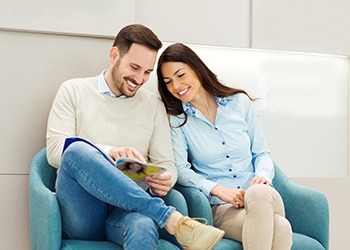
x: 136, y: 33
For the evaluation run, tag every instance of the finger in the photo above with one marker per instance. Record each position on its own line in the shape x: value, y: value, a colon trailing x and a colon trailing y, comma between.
x: 122, y: 154
x: 254, y: 181
x: 159, y: 192
x: 128, y: 153
x: 237, y: 204
x: 161, y: 177
x: 258, y: 180
x: 264, y: 181
x: 138, y: 156
x: 240, y: 195
x: 159, y: 188
x: 156, y: 183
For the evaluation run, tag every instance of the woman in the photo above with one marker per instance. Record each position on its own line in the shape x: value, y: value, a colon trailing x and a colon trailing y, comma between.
x: 215, y: 130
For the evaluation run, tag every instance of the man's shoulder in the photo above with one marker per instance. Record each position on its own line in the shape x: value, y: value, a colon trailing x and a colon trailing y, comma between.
x: 79, y: 85
x: 149, y: 96
x: 80, y: 81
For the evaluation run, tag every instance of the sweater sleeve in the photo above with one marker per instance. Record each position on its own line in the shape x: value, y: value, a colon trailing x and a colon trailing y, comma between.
x: 61, y: 123
x: 160, y: 147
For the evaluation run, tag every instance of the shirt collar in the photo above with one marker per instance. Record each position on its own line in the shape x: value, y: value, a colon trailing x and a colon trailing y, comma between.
x: 191, y: 110
x: 103, y: 86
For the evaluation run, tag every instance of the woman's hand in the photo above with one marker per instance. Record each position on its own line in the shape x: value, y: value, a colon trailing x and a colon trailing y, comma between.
x: 229, y: 195
x: 160, y: 183
x: 260, y: 180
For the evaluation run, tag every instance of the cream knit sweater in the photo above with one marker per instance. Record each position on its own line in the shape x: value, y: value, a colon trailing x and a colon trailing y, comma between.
x: 140, y: 122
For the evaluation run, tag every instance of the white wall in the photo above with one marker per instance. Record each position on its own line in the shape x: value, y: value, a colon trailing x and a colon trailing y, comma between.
x: 297, y: 25
x: 31, y: 62
x: 32, y: 68
x: 303, y: 104
x: 79, y: 16
x: 289, y: 25
x: 197, y: 21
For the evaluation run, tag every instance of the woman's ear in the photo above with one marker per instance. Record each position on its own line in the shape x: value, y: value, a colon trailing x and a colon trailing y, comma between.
x: 114, y: 54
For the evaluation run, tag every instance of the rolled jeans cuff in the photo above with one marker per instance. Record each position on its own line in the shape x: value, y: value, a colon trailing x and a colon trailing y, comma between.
x: 162, y: 222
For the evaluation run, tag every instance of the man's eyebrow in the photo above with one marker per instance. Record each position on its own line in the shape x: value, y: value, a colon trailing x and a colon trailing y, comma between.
x: 135, y: 65
x: 138, y: 66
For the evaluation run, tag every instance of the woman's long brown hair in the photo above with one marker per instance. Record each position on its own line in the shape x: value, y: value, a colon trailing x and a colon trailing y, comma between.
x: 179, y: 52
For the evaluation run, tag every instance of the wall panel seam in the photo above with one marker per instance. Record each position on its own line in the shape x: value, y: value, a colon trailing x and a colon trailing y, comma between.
x: 56, y: 33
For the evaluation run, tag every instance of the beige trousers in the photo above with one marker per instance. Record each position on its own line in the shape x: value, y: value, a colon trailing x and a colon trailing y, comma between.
x: 261, y: 224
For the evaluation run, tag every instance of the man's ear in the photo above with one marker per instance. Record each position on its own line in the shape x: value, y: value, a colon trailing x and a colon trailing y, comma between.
x: 114, y: 54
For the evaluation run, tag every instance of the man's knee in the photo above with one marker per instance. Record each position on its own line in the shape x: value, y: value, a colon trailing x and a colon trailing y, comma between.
x: 143, y: 223
x: 78, y: 149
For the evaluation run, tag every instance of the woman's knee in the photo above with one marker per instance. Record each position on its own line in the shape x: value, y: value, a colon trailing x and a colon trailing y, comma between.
x: 259, y: 192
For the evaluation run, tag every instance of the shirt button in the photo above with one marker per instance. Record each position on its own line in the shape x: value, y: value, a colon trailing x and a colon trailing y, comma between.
x: 227, y: 156
x: 234, y: 176
x: 230, y: 170
x: 223, y: 143
x: 238, y: 187
x: 216, y: 128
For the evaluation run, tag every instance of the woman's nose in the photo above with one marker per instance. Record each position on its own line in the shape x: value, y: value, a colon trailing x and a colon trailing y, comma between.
x: 177, y: 84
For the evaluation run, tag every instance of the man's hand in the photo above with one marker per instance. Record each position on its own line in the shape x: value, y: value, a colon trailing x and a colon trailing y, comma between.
x: 127, y: 152
x: 229, y: 195
x: 260, y: 180
x: 160, y: 183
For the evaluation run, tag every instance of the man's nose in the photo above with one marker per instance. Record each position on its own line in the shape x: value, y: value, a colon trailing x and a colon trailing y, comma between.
x: 141, y: 78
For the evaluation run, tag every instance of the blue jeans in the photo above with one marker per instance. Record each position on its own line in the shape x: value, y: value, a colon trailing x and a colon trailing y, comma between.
x: 98, y: 202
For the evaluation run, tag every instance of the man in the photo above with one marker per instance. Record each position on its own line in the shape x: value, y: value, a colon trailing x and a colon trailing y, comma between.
x: 97, y: 201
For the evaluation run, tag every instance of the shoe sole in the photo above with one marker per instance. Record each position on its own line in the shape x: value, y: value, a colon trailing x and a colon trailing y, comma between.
x: 215, y: 242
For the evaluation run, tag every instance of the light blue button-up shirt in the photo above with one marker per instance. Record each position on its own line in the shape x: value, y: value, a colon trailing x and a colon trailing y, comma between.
x: 229, y: 153
x: 103, y: 86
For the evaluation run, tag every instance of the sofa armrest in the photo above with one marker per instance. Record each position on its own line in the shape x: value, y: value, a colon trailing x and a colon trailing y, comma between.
x: 197, y: 203
x: 306, y: 209
x: 176, y: 199
x: 44, y: 215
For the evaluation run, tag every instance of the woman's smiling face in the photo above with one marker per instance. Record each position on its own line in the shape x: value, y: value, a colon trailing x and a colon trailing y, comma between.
x: 181, y: 81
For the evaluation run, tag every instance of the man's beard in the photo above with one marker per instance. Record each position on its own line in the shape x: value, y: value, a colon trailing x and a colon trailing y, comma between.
x: 122, y: 83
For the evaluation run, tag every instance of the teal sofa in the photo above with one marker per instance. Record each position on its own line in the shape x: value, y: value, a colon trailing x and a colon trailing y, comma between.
x: 45, y: 218
x: 306, y: 209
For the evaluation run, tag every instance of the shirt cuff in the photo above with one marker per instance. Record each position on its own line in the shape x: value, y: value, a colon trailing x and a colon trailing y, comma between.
x: 206, y: 186
x: 150, y: 190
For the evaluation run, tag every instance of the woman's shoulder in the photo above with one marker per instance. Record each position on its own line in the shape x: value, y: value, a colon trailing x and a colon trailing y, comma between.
x: 239, y: 98
x: 177, y: 120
